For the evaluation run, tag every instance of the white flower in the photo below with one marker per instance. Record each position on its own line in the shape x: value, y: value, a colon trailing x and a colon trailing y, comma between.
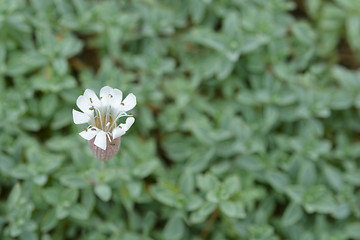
x: 102, y: 115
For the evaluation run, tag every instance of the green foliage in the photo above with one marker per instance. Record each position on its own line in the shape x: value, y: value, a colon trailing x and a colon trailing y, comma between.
x: 246, y: 125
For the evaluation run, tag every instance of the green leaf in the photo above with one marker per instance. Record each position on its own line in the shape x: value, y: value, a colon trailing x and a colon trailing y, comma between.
x: 167, y: 196
x: 174, y: 229
x: 52, y: 195
x: 261, y: 232
x: 40, y: 179
x: 333, y: 177
x: 199, y: 161
x: 145, y: 169
x: 62, y: 118
x: 187, y: 182
x: 69, y: 46
x: 149, y: 222
x: 296, y: 193
x: 74, y: 181
x: 48, y: 105
x: 31, y: 124
x: 134, y: 188
x: 353, y: 178
x: 103, y: 191
x: 21, y: 63
x: 304, y: 33
x: 61, y: 212
x: 249, y: 163
x: 353, y: 35
x: 88, y: 199
x: 14, y: 196
x: 60, y: 66
x: 206, y: 182
x: 278, y: 180
x: 203, y: 212
x: 21, y: 171
x: 220, y: 168
x: 214, y: 195
x: 313, y: 7
x: 79, y: 212
x: 216, y: 41
x: 319, y: 199
x: 345, y: 78
x: 68, y: 196
x: 232, y: 209
x: 230, y: 186
x: 307, y: 174
x: 6, y: 164
x: 49, y: 220
x: 28, y: 235
x: 293, y: 213
x: 352, y: 230
x: 59, y: 143
x: 193, y: 202
x: 253, y: 42
x: 177, y: 149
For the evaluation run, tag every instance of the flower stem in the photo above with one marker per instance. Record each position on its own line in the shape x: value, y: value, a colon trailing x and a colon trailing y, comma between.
x: 102, y: 171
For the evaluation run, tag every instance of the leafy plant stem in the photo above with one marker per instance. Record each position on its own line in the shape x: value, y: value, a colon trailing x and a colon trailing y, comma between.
x: 102, y: 171
x: 205, y: 232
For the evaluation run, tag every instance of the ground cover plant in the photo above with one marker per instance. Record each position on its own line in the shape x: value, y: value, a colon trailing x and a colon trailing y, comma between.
x: 247, y: 119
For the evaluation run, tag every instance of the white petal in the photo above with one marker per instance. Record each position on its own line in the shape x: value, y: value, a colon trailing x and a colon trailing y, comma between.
x: 116, y: 101
x: 89, y: 134
x: 122, y: 128
x: 128, y: 103
x: 100, y: 140
x: 80, y: 117
x: 105, y: 91
x: 90, y: 94
x: 117, y: 94
x: 105, y: 95
x: 84, y: 104
x: 128, y: 123
x: 118, y: 132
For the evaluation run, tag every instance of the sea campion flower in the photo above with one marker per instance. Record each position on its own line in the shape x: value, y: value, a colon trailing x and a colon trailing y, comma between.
x: 102, y: 115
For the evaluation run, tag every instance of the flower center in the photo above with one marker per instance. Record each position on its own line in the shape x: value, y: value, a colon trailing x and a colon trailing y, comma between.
x: 105, y: 122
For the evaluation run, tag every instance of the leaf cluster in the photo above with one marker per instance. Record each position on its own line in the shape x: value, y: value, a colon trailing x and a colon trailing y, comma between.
x: 246, y: 126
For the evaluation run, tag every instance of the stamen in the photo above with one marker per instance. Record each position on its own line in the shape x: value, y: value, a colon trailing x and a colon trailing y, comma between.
x: 120, y: 126
x: 93, y: 129
x: 99, y: 113
x: 86, y: 129
x: 106, y: 118
x: 91, y: 100
x: 91, y: 108
x: 108, y: 135
x: 123, y: 104
x: 110, y: 96
x: 122, y: 114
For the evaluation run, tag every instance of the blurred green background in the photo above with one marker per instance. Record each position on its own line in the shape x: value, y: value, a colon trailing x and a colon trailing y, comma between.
x: 247, y: 122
